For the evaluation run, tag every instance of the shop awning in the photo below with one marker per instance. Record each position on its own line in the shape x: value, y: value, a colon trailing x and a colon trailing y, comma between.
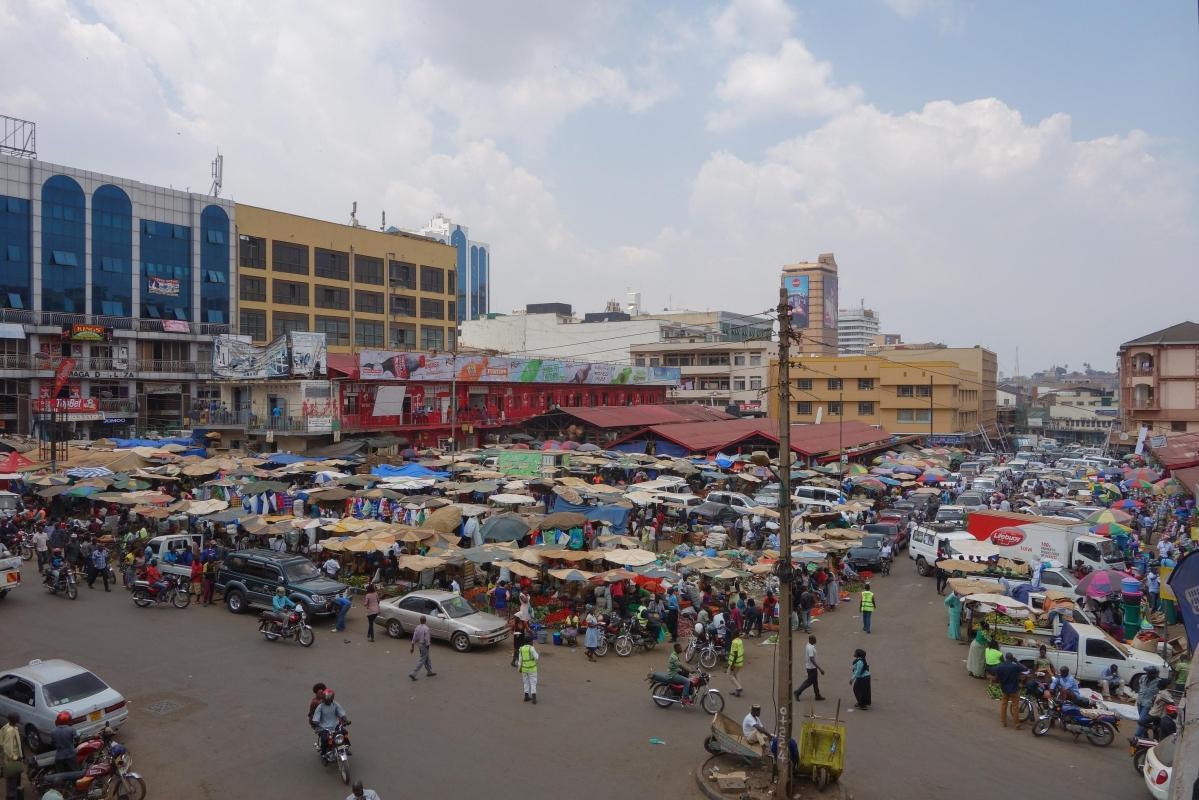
x: 12, y: 330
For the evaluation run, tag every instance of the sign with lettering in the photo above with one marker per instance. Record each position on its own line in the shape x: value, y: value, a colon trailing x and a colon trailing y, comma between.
x: 67, y: 405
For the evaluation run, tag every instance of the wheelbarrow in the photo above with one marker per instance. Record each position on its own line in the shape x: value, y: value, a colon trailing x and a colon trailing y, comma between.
x: 822, y: 748
x: 725, y: 737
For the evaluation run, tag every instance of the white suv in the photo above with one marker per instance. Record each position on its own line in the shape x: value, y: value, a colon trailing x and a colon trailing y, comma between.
x: 741, y: 503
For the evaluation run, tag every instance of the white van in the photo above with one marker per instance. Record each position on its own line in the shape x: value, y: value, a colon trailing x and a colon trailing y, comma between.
x: 804, y: 505
x: 816, y: 493
x: 932, y: 542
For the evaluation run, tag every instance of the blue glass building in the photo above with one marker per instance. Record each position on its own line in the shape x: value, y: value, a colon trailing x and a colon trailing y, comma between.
x: 474, y: 266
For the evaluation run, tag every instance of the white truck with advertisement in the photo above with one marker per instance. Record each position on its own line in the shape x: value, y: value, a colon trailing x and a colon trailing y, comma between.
x: 1065, y: 544
x: 10, y: 574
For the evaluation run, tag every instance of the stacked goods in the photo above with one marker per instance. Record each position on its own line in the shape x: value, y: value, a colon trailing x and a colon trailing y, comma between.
x: 717, y: 540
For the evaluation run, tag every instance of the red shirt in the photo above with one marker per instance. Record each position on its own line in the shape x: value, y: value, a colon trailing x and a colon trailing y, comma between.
x: 153, y: 575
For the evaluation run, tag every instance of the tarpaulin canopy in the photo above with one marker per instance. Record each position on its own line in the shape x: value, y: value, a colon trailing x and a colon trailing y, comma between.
x: 614, y: 515
x: 124, y: 444
x: 287, y: 458
x: 407, y: 471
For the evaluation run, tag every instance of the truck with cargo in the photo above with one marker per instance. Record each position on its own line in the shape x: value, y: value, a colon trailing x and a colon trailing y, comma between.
x: 1034, y: 539
x: 1088, y: 652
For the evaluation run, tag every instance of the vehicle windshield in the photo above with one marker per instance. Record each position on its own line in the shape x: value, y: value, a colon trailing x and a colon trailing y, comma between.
x: 456, y: 608
x: 300, y: 571
x: 76, y: 687
x: 950, y: 515
x: 874, y: 541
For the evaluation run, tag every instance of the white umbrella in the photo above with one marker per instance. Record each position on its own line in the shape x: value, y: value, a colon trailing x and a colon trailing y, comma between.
x: 631, y: 558
x: 514, y: 499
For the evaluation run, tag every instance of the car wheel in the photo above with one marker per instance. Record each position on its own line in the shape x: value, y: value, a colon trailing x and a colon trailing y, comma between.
x: 33, y: 739
x: 394, y: 629
x: 922, y: 567
x: 236, y: 601
x: 460, y: 642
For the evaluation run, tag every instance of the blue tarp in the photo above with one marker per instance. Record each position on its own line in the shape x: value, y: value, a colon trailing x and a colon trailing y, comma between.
x: 123, y: 443
x: 661, y: 447
x: 288, y: 458
x: 407, y: 471
x: 202, y: 452
x: 618, y: 516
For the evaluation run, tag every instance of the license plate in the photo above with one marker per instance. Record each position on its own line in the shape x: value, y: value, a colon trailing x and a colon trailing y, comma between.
x: 95, y: 715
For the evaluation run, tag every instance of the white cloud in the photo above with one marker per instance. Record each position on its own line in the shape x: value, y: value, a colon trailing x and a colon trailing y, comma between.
x: 753, y: 24
x: 950, y: 14
x: 790, y: 82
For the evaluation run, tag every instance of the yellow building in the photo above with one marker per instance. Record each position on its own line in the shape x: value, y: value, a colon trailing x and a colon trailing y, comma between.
x: 937, y: 397
x: 978, y: 360
x: 362, y: 288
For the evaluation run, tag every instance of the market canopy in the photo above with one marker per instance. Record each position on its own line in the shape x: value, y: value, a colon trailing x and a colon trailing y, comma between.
x: 444, y: 520
x: 572, y: 575
x: 631, y: 558
x: 504, y: 528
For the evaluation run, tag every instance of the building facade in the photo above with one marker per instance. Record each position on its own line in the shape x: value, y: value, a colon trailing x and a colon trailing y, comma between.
x: 812, y: 296
x: 857, y: 329
x: 360, y: 287
x: 977, y: 360
x: 715, y: 374
x: 935, y: 399
x: 472, y: 265
x: 113, y: 290
x: 1159, y: 380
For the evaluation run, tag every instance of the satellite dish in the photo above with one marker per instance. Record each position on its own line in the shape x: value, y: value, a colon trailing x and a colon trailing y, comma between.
x: 1123, y: 436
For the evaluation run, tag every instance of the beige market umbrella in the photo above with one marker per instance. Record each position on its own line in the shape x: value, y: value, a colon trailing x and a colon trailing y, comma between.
x: 763, y: 511
x: 725, y: 574
x: 614, y: 575
x: 572, y: 575
x: 562, y: 519
x: 517, y: 568
x: 512, y: 499
x: 631, y: 558
x: 618, y: 540
x: 444, y: 520
x: 761, y: 568
x: 360, y: 544
x: 704, y: 562
x: 419, y: 563
x: 407, y: 534
x: 568, y: 494
x: 528, y: 555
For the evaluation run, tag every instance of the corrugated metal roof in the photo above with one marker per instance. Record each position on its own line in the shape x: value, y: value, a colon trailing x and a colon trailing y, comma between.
x: 345, y: 363
x: 633, y: 416
x: 1179, y: 451
x: 1182, y: 333
x: 808, y: 440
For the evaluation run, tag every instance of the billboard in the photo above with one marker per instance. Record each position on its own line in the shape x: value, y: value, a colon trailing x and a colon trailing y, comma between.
x: 299, y: 354
x: 830, y: 301
x: 797, y: 299
x: 308, y: 353
x: 387, y: 365
x: 168, y: 287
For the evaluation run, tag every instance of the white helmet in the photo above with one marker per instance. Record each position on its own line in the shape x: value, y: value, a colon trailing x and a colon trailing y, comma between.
x: 53, y: 794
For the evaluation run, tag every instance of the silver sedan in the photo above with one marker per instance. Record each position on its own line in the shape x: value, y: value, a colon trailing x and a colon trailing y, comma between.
x: 448, y: 616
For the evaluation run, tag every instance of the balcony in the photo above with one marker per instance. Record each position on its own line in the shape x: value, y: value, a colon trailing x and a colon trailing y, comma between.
x: 250, y: 421
x: 38, y: 362
x: 58, y: 319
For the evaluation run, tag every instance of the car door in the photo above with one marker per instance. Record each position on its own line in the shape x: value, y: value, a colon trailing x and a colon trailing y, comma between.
x: 409, y: 611
x: 1099, y: 655
x: 437, y: 620
x: 17, y: 696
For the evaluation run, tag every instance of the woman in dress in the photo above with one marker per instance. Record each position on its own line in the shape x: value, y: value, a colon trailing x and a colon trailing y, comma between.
x: 975, y: 659
x: 592, y: 634
x: 861, y: 680
x: 954, y: 606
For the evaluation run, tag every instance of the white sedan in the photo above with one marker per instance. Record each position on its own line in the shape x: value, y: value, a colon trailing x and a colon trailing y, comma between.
x: 1159, y: 763
x: 39, y: 691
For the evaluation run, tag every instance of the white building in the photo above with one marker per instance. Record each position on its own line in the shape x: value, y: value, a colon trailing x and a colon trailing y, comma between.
x: 714, y: 373
x: 561, y: 336
x: 474, y: 266
x: 856, y: 329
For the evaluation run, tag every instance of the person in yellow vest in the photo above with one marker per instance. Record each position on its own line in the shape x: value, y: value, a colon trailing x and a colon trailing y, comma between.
x: 868, y: 606
x: 528, y: 671
x: 736, y: 661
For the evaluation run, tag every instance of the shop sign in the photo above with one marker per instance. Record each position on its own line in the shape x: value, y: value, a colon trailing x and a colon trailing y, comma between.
x: 87, y: 333
x: 168, y: 287
x: 115, y: 421
x: 1007, y: 537
x: 67, y: 405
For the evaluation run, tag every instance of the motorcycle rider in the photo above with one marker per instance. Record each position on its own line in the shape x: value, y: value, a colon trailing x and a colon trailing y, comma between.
x: 325, y: 718
x: 56, y: 565
x: 154, y: 578
x: 676, y: 672
x: 282, y: 604
x: 63, y: 739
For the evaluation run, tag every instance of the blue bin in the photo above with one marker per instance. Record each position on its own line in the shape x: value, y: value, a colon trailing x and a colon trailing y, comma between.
x: 557, y: 638
x: 1130, y: 586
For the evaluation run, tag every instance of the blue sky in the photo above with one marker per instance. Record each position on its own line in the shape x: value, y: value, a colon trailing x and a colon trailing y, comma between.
x: 1012, y: 174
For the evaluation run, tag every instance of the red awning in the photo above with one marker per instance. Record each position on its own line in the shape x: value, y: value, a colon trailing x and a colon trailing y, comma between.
x: 342, y: 365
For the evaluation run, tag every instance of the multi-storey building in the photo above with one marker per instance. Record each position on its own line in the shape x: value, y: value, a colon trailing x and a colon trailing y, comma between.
x: 113, y: 290
x: 856, y: 330
x: 978, y: 360
x: 473, y: 266
x: 811, y: 289
x: 717, y: 374
x: 1159, y: 380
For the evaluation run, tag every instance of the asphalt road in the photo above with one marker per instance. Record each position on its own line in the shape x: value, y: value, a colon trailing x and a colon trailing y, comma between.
x: 217, y: 710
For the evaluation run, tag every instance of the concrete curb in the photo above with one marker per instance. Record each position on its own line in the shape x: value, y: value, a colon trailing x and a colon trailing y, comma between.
x: 706, y: 790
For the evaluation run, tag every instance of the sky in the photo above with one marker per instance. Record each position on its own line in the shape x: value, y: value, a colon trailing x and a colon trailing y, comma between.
x: 1018, y: 175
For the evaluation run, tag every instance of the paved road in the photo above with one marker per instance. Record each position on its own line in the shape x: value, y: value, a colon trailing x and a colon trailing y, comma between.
x: 216, y: 710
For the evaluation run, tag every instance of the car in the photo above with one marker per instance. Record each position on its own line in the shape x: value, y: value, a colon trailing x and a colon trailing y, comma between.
x: 159, y: 545
x: 249, y: 578
x: 767, y: 498
x: 740, y: 503
x: 41, y: 690
x: 448, y: 616
x: 954, y: 515
x: 1159, y: 765
x: 868, y: 553
x: 898, y: 534
x: 971, y: 501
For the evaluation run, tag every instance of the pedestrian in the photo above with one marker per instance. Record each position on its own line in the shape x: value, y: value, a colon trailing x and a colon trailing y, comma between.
x: 197, y: 576
x: 99, y: 567
x: 358, y: 793
x: 528, y: 671
x: 207, y: 581
x: 832, y: 591
x: 814, y: 670
x: 976, y: 663
x: 954, y: 606
x: 860, y: 679
x: 736, y: 661
x: 942, y: 580
x: 499, y: 599
x: 342, y: 604
x: 371, y: 602
x: 331, y: 567
x: 592, y: 634
x: 806, y: 601
x: 41, y: 548
x: 867, y: 607
x: 1153, y: 583
x: 12, y: 763
x: 420, y: 638
x: 1010, y: 676
x: 672, y: 613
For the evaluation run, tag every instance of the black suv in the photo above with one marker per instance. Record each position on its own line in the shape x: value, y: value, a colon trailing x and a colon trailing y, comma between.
x: 250, y: 577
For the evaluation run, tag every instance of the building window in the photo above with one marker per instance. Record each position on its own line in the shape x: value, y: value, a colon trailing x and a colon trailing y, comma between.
x: 403, y: 275
x: 431, y: 309
x: 755, y: 361
x: 804, y: 384
x: 370, y: 302
x: 924, y: 391
x: 283, y: 322
x: 333, y: 264
x: 451, y: 311
x: 112, y: 252
x: 903, y: 390
x: 1178, y: 427
x: 866, y: 384
x: 834, y: 384
x: 251, y: 251
x: 432, y: 279
x: 639, y: 361
x: 336, y: 329
x: 738, y: 361
x: 403, y: 336
x: 804, y: 408
x: 290, y: 294
x: 331, y: 297
x: 431, y: 338
x: 451, y: 338
x: 912, y: 415
x: 253, y: 324
x: 738, y: 384
x: 402, y: 306
x: 755, y: 384
x: 291, y: 258
x: 368, y: 333
x: 865, y: 409
x: 655, y: 361
x: 368, y: 270
x: 253, y: 289
x: 834, y: 409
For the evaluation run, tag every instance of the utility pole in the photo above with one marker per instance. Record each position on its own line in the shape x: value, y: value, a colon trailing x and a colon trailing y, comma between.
x: 782, y: 789
x: 930, y: 408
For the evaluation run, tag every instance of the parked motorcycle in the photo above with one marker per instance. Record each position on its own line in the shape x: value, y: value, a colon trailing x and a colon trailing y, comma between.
x: 633, y: 636
x: 708, y: 650
x: 173, y: 591
x: 109, y: 779
x: 1032, y: 701
x: 666, y: 691
x: 66, y: 582
x: 1138, y: 746
x: 1100, y: 730
x: 608, y: 635
x: 338, y: 751
x: 295, y: 627
x: 92, y: 750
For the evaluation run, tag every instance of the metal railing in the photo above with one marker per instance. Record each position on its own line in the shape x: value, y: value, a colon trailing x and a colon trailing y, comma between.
x: 60, y: 319
x: 249, y: 420
x: 39, y: 362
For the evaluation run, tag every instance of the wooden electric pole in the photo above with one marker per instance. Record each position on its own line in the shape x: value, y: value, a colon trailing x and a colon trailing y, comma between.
x: 782, y: 789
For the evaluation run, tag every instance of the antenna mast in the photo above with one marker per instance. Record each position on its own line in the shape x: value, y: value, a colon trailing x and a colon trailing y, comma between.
x: 218, y: 174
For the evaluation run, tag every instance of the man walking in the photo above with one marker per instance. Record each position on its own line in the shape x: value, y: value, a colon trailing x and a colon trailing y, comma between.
x: 41, y: 547
x: 814, y: 670
x: 736, y: 661
x: 358, y: 793
x: 99, y: 567
x: 806, y: 601
x: 1010, y: 675
x: 942, y: 580
x: 420, y: 638
x: 672, y: 613
x: 528, y: 671
x: 11, y: 761
x: 868, y: 606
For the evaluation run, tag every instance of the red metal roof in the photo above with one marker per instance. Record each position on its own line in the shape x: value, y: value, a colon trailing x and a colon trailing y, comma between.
x: 344, y: 363
x: 807, y: 440
x: 1189, y: 478
x: 1179, y: 451
x: 633, y: 416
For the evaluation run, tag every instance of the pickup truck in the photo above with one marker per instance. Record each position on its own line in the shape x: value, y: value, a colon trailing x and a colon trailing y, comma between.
x: 10, y: 574
x: 1088, y: 652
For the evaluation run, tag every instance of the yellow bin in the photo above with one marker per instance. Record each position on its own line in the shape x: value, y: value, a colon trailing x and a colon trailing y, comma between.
x: 822, y: 749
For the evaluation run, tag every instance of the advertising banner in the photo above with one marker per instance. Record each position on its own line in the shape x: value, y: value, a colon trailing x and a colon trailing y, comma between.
x: 308, y: 351
x: 164, y: 286
x: 797, y: 299
x: 176, y: 326
x: 233, y: 358
x: 87, y: 333
x: 61, y: 373
x: 1184, y: 583
x: 68, y: 405
x: 387, y: 365
x: 830, y: 302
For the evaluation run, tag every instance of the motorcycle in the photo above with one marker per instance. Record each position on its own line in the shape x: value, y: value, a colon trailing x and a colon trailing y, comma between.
x: 666, y: 691
x: 1032, y: 701
x: 66, y: 582
x: 632, y: 636
x: 23, y: 547
x: 296, y: 627
x: 173, y: 592
x: 338, y: 751
x: 93, y: 750
x: 1100, y: 730
x: 708, y: 649
x: 608, y: 635
x: 110, y: 779
x: 1139, y: 746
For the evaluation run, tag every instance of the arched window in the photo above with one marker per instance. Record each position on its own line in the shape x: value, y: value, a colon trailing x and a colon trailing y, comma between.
x: 63, y: 246
x: 112, y: 252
